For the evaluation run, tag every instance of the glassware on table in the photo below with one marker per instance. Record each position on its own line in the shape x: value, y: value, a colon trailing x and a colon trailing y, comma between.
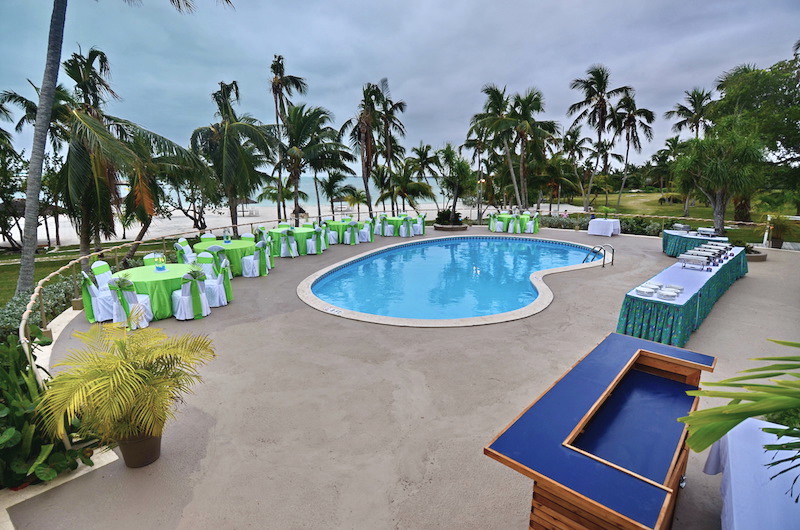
x: 161, y: 262
x: 226, y: 236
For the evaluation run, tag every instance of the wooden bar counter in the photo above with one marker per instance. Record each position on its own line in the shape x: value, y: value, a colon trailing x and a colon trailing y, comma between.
x: 602, y: 444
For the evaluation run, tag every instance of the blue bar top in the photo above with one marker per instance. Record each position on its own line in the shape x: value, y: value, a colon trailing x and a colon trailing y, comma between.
x: 535, y: 440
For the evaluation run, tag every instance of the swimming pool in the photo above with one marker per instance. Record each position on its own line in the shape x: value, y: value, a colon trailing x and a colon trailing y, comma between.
x: 447, y: 281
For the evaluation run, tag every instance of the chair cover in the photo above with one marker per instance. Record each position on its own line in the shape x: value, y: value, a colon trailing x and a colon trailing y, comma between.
x: 284, y: 224
x: 366, y: 234
x: 386, y: 228
x: 504, y: 212
x: 149, y: 259
x: 98, y: 305
x: 288, y: 244
x: 351, y: 233
x: 208, y: 237
x: 215, y: 283
x: 406, y: 227
x: 499, y: 226
x: 188, y: 255
x: 515, y: 225
x: 526, y: 212
x: 330, y: 235
x: 135, y: 309
x: 314, y: 243
x: 190, y: 301
x: 419, y: 226
x: 102, y: 273
x: 227, y: 275
x: 261, y: 234
x: 247, y: 236
x: 346, y: 219
x: 257, y: 264
x: 310, y: 225
x: 218, y: 252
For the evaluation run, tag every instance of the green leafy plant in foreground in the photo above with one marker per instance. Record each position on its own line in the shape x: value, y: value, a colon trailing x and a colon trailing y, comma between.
x: 26, y: 454
x: 782, y: 397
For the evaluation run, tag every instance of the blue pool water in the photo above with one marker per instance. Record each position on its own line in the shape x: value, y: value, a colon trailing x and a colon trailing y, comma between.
x: 444, y: 279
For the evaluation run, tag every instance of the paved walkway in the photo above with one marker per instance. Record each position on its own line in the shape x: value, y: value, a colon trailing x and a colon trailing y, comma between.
x: 308, y: 420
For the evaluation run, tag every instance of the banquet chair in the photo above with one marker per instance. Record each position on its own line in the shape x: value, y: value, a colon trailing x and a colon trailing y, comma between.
x: 351, y: 234
x: 128, y: 306
x: 215, y: 283
x: 331, y: 236
x: 247, y: 236
x: 288, y: 244
x: 530, y: 226
x: 102, y: 273
x: 181, y: 254
x: 419, y: 226
x: 506, y: 212
x: 190, y: 301
x: 514, y: 225
x: 366, y: 234
x: 526, y: 212
x: 149, y: 259
x: 98, y: 305
x: 218, y: 251
x: 346, y: 219
x: 406, y: 227
x: 386, y: 228
x: 314, y: 243
x: 257, y: 264
x: 402, y: 214
x: 284, y: 224
x: 499, y: 225
x: 189, y: 255
x: 208, y: 237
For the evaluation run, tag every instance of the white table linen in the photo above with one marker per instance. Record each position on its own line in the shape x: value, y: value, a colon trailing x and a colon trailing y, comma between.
x: 604, y: 227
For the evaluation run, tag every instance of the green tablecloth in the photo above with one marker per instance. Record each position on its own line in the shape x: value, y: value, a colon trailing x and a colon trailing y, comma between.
x: 674, y: 242
x: 506, y: 218
x: 235, y: 251
x: 301, y: 235
x: 157, y: 285
x: 340, y: 226
x: 671, y: 323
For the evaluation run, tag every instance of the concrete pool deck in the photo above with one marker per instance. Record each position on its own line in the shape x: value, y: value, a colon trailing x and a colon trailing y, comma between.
x: 308, y: 420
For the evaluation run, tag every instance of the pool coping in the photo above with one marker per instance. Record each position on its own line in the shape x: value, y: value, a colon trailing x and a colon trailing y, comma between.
x: 544, y: 299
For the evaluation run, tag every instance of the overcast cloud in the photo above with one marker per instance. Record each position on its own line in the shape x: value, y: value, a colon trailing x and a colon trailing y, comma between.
x: 437, y: 55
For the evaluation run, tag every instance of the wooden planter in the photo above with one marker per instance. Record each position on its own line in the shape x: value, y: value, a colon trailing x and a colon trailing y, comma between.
x: 451, y: 228
x: 756, y: 256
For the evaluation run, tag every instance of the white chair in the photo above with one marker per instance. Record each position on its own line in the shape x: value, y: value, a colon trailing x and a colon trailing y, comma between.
x: 139, y: 312
x: 190, y: 255
x: 514, y: 225
x: 406, y: 227
x: 288, y: 244
x: 183, y: 302
x: 315, y: 242
x: 98, y: 305
x: 149, y: 259
x: 183, y: 257
x: 526, y: 212
x: 504, y: 212
x: 419, y: 226
x: 215, y: 283
x: 208, y: 237
x: 247, y: 236
x: 102, y: 273
x: 386, y: 228
x: 530, y: 226
x: 365, y: 235
x: 331, y: 236
x: 499, y: 225
x: 257, y: 264
x: 351, y: 234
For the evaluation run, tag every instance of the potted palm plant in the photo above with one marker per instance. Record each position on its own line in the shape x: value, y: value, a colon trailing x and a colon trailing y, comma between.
x: 780, y: 228
x: 123, y: 387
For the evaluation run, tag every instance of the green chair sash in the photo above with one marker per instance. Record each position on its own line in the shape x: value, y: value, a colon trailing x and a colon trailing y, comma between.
x: 118, y: 288
x: 149, y: 261
x: 248, y: 237
x: 100, y: 268
x: 408, y: 224
x: 261, y: 254
x: 88, y: 306
x: 195, y: 289
x: 352, y: 229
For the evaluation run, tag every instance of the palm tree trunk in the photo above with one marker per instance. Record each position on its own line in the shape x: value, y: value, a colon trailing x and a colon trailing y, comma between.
x: 47, y: 230
x: 234, y: 214
x: 58, y: 232
x: 43, y: 114
x: 625, y: 173
x: 511, y: 171
x: 319, y: 204
x: 138, y: 239
x: 296, y: 182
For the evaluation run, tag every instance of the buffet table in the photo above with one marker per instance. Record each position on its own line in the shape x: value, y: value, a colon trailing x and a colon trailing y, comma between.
x: 672, y: 321
x: 158, y: 285
x: 750, y: 498
x: 604, y: 227
x: 234, y: 251
x: 676, y: 242
x: 602, y: 444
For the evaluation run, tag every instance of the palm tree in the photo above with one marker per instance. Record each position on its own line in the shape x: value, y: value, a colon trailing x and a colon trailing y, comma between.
x: 362, y: 133
x: 595, y: 107
x: 403, y: 186
x: 574, y: 147
x: 693, y: 115
x: 527, y: 130
x: 233, y: 148
x: 45, y: 107
x: 425, y: 162
x: 390, y: 121
x: 355, y: 198
x: 457, y: 180
x: 333, y: 189
x: 282, y: 86
x: 496, y: 121
x: 628, y: 119
x: 310, y: 144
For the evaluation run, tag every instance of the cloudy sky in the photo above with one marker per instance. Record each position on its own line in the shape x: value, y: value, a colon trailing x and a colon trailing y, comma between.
x: 437, y: 55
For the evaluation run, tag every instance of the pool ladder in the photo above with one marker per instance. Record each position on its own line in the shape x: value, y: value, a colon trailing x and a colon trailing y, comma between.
x: 597, y: 249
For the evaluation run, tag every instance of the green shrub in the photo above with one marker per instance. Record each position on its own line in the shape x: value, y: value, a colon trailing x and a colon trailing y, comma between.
x: 26, y: 455
x: 443, y: 218
x: 748, y: 249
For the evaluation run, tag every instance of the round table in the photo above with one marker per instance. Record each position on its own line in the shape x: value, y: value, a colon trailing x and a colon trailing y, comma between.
x: 157, y: 285
x: 235, y: 251
x: 523, y: 221
x: 340, y: 226
x: 301, y: 235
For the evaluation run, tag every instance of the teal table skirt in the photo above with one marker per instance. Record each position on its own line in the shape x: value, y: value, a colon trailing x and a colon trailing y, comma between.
x: 670, y: 323
x: 675, y: 243
x: 235, y: 251
x: 157, y: 285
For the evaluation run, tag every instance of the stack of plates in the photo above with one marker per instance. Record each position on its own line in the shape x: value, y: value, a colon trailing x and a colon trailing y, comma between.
x: 678, y: 288
x: 667, y: 294
x: 644, y: 291
x: 652, y: 285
